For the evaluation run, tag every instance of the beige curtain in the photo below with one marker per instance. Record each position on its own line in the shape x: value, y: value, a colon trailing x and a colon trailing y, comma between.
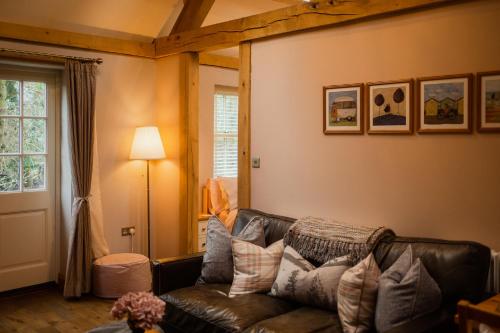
x: 80, y: 84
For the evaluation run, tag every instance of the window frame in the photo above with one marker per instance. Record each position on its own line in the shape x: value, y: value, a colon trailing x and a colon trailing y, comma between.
x: 224, y: 91
x: 23, y: 76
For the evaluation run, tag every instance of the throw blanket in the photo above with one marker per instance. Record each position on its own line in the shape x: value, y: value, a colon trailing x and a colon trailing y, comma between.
x: 321, y: 240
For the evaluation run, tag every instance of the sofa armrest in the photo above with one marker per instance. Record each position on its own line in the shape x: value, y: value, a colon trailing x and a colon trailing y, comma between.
x: 440, y: 321
x: 176, y: 272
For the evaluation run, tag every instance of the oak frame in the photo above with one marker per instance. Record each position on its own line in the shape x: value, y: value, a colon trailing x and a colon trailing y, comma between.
x: 361, y: 112
x: 411, y: 110
x: 479, y: 103
x: 470, y: 94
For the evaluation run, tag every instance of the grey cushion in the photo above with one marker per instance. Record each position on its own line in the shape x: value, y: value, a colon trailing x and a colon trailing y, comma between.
x: 406, y: 291
x: 217, y: 264
x: 298, y: 280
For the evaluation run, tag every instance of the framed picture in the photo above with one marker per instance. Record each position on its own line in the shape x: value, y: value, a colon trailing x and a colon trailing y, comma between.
x: 342, y: 109
x: 488, y: 97
x: 389, y: 107
x: 444, y: 104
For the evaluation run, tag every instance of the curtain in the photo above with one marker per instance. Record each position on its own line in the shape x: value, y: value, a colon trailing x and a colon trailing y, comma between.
x: 99, y: 245
x: 80, y: 84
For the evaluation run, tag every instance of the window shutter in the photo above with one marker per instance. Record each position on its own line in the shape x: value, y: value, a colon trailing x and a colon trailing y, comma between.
x: 225, y: 134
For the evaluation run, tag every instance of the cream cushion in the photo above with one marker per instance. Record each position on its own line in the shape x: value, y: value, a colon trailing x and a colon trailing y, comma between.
x: 116, y: 274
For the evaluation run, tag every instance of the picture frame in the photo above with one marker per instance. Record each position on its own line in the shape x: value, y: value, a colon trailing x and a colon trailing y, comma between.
x: 488, y: 101
x: 389, y: 107
x: 444, y: 104
x: 343, y: 109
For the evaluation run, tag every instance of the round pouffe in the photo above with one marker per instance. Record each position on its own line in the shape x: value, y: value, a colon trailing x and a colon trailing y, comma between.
x: 117, y: 274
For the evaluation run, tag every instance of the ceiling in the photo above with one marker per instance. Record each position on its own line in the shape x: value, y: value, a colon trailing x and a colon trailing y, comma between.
x: 133, y: 19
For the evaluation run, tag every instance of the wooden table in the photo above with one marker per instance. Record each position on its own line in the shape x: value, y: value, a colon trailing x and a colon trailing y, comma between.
x: 487, y: 312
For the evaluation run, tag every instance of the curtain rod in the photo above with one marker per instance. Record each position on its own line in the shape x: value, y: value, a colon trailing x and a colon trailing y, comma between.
x: 51, y: 55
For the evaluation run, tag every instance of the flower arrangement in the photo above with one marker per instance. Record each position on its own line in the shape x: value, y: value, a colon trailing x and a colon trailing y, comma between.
x: 142, y: 309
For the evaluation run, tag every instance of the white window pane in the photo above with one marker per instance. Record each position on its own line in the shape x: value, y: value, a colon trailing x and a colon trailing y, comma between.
x: 9, y: 135
x: 34, y: 99
x: 34, y: 135
x: 9, y: 173
x: 34, y: 172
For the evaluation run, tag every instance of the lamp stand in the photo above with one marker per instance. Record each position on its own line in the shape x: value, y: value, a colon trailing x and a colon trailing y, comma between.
x: 149, y: 221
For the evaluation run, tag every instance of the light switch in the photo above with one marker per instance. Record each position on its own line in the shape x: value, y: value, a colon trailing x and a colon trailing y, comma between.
x: 256, y: 162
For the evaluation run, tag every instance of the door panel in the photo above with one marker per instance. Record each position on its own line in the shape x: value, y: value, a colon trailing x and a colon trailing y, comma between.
x: 28, y: 153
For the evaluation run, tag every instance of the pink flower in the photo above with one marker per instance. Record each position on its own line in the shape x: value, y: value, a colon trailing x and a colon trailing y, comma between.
x: 142, y: 309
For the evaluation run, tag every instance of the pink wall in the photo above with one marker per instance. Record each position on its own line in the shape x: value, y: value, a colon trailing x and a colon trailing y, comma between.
x: 445, y: 186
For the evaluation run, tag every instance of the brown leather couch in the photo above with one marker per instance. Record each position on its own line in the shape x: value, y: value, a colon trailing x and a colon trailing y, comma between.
x: 459, y: 268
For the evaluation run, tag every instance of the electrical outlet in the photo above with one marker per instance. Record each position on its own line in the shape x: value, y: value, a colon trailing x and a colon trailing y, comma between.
x: 256, y: 162
x: 128, y: 231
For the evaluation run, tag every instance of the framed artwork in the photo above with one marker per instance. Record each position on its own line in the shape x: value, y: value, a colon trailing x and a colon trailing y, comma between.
x: 488, y: 98
x: 389, y: 107
x: 342, y: 109
x: 444, y: 104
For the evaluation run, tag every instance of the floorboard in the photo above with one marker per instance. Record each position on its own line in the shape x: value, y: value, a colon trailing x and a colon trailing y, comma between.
x: 46, y: 311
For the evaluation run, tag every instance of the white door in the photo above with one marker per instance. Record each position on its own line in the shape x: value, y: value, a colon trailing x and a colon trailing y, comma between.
x: 28, y: 154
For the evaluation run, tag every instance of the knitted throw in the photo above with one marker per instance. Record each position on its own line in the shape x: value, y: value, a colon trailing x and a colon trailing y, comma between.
x: 321, y: 240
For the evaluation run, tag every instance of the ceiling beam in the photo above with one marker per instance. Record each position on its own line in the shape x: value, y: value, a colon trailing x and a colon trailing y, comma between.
x: 210, y: 59
x: 316, y: 14
x: 192, y: 15
x: 26, y: 33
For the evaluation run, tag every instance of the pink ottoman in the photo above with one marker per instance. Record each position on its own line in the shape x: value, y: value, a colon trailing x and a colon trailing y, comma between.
x: 117, y: 274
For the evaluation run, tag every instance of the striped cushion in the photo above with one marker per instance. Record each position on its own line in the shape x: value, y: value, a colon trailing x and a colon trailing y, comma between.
x: 357, y: 296
x: 255, y: 267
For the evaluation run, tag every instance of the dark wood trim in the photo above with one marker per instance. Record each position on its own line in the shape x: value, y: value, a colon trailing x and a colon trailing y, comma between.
x: 28, y: 289
x: 410, y: 116
x: 361, y: 108
x: 470, y: 104
x: 479, y: 102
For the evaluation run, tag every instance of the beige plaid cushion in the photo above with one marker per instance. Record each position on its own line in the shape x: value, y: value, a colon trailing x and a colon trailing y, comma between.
x: 255, y: 267
x: 357, y: 296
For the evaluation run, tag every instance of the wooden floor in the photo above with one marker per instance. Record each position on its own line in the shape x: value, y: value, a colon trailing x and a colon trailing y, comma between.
x: 46, y: 311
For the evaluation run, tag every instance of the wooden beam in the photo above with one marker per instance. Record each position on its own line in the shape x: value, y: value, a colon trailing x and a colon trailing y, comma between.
x: 322, y: 13
x: 216, y: 60
x: 189, y: 191
x: 245, y: 85
x: 26, y: 33
x: 192, y: 15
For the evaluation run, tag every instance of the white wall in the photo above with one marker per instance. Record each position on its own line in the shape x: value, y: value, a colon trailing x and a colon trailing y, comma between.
x: 444, y: 186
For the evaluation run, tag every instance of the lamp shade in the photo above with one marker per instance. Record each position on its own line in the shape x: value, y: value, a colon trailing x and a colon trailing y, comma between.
x: 147, y: 144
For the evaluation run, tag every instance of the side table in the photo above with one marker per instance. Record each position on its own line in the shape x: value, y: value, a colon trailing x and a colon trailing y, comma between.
x: 487, y: 312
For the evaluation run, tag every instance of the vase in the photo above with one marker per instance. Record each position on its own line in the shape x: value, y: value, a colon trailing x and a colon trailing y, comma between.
x: 133, y: 328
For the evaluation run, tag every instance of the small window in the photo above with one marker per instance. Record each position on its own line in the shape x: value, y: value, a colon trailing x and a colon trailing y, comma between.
x: 225, y: 132
x: 23, y: 135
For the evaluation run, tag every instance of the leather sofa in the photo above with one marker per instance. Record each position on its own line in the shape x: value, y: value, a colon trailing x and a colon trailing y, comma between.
x: 460, y: 268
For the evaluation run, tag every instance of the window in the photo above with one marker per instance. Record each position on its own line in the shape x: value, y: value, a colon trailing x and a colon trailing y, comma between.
x: 225, y: 132
x: 23, y: 135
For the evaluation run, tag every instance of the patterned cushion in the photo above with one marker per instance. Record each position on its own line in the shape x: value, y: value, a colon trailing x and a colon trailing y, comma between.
x: 298, y: 280
x: 255, y: 267
x: 217, y: 264
x: 357, y: 296
x: 406, y: 291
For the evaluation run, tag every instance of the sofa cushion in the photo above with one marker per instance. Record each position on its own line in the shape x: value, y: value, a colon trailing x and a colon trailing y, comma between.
x: 275, y: 226
x: 298, y: 280
x: 304, y: 320
x: 406, y: 291
x: 217, y: 264
x: 357, y: 296
x: 255, y: 267
x: 207, y: 308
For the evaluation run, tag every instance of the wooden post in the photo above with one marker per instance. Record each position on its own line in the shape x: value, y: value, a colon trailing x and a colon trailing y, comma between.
x: 189, y: 146
x: 245, y: 85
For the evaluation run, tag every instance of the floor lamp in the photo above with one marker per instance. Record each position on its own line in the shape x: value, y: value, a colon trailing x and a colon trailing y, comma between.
x: 147, y: 146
